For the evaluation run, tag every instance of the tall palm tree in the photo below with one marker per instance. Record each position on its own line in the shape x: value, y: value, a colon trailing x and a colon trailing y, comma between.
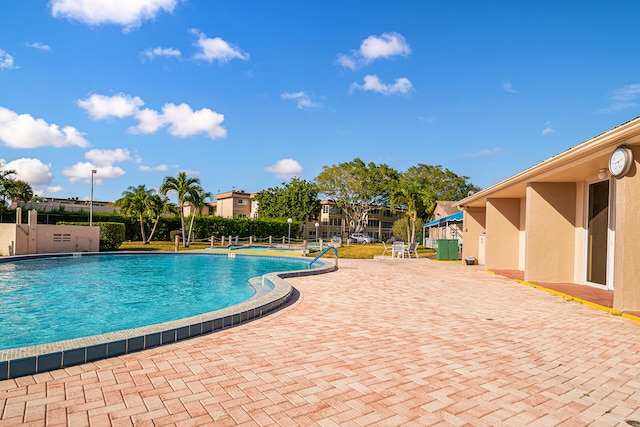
x: 198, y: 200
x: 412, y: 197
x: 135, y: 201
x: 158, y: 205
x: 184, y: 187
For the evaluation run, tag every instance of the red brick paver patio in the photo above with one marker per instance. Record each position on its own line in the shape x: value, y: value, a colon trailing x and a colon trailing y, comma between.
x: 379, y: 342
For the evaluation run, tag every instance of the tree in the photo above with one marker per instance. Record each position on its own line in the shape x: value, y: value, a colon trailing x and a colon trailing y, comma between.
x: 135, y: 201
x: 414, y: 198
x: 358, y: 188
x: 198, y: 200
x: 184, y: 187
x: 158, y: 205
x: 19, y: 191
x: 5, y: 184
x: 296, y: 199
x: 442, y: 183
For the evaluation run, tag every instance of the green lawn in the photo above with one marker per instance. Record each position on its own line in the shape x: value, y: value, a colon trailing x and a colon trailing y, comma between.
x: 355, y: 251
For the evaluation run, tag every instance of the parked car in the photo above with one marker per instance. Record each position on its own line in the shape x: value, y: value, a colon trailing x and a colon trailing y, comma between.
x: 339, y: 239
x: 362, y: 238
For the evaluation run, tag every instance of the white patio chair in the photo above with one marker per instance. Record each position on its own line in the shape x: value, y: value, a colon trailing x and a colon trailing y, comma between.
x: 412, y: 248
x: 397, y: 249
x: 386, y: 248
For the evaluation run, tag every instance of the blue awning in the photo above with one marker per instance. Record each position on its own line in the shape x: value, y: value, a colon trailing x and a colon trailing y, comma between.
x: 456, y: 217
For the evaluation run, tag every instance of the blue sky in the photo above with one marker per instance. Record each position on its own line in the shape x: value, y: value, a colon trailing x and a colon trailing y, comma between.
x: 247, y: 94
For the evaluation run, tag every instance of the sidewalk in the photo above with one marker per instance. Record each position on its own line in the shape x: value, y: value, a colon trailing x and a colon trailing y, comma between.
x: 379, y: 342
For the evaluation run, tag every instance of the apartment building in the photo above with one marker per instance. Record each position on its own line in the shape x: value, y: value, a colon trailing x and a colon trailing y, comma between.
x: 234, y: 204
x: 239, y: 204
x: 332, y: 222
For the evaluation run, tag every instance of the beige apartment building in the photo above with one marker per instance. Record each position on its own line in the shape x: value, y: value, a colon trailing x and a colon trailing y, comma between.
x: 239, y: 204
x: 233, y: 204
x: 573, y: 218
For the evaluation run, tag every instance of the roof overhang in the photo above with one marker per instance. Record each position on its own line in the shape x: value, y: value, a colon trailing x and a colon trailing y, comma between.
x: 578, y: 163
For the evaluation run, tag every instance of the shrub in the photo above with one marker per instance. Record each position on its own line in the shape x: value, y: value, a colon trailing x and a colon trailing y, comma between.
x: 111, y: 235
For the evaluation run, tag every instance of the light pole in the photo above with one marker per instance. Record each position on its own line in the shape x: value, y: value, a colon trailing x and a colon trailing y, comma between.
x: 289, y: 239
x: 93, y: 172
x: 317, y: 225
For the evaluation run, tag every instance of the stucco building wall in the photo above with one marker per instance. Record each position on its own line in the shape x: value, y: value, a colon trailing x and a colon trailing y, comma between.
x: 33, y: 238
x: 575, y: 221
x: 503, y: 231
x: 550, y: 232
x: 627, y: 241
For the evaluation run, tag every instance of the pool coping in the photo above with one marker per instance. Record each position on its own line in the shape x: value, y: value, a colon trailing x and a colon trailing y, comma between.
x: 32, y: 360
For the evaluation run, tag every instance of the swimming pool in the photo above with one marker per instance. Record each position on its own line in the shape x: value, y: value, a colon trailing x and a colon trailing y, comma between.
x: 76, y: 308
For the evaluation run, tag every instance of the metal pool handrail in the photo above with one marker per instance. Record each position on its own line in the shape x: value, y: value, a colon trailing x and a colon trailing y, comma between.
x: 335, y: 250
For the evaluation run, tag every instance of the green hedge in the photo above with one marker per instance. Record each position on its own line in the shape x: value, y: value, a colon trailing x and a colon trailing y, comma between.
x: 111, y: 234
x: 203, y: 226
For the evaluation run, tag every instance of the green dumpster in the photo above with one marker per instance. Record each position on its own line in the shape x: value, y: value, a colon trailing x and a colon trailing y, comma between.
x: 447, y: 249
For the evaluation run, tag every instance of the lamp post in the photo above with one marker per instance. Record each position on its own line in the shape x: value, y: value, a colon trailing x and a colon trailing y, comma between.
x: 289, y: 237
x: 317, y: 225
x: 93, y: 172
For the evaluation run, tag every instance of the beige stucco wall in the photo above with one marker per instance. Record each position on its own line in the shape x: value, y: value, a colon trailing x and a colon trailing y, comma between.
x: 8, y: 239
x: 473, y: 227
x: 503, y: 234
x: 550, y: 232
x: 627, y: 238
x: 67, y: 238
x: 24, y: 239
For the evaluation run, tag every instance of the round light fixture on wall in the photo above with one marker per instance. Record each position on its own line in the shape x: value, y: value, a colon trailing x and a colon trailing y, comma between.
x: 620, y: 161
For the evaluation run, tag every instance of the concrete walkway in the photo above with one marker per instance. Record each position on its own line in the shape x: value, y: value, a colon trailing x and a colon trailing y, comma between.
x: 379, y: 342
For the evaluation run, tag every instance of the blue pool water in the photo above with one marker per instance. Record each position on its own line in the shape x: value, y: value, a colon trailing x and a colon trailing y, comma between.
x: 45, y: 300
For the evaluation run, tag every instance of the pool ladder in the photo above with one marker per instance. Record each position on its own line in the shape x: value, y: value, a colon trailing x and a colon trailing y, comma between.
x: 335, y: 251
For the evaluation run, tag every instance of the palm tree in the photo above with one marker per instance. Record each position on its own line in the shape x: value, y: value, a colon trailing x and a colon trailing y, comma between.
x: 412, y: 197
x: 135, y: 201
x: 5, y: 184
x: 198, y: 200
x: 19, y: 191
x: 158, y: 205
x: 185, y: 187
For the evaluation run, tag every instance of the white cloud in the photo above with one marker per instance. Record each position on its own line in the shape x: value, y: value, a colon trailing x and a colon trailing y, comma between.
x: 38, y: 45
x: 347, y: 61
x: 548, y: 129
x: 184, y: 122
x: 6, y: 61
x: 149, y: 121
x: 384, y: 46
x: 54, y: 189
x: 623, y: 98
x: 23, y: 131
x: 160, y: 51
x: 31, y: 170
x: 158, y: 168
x: 301, y: 97
x: 107, y: 157
x: 483, y: 152
x: 101, y: 107
x: 285, y: 168
x: 216, y: 49
x: 80, y: 173
x: 127, y: 13
x: 508, y: 88
x: 373, y: 83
